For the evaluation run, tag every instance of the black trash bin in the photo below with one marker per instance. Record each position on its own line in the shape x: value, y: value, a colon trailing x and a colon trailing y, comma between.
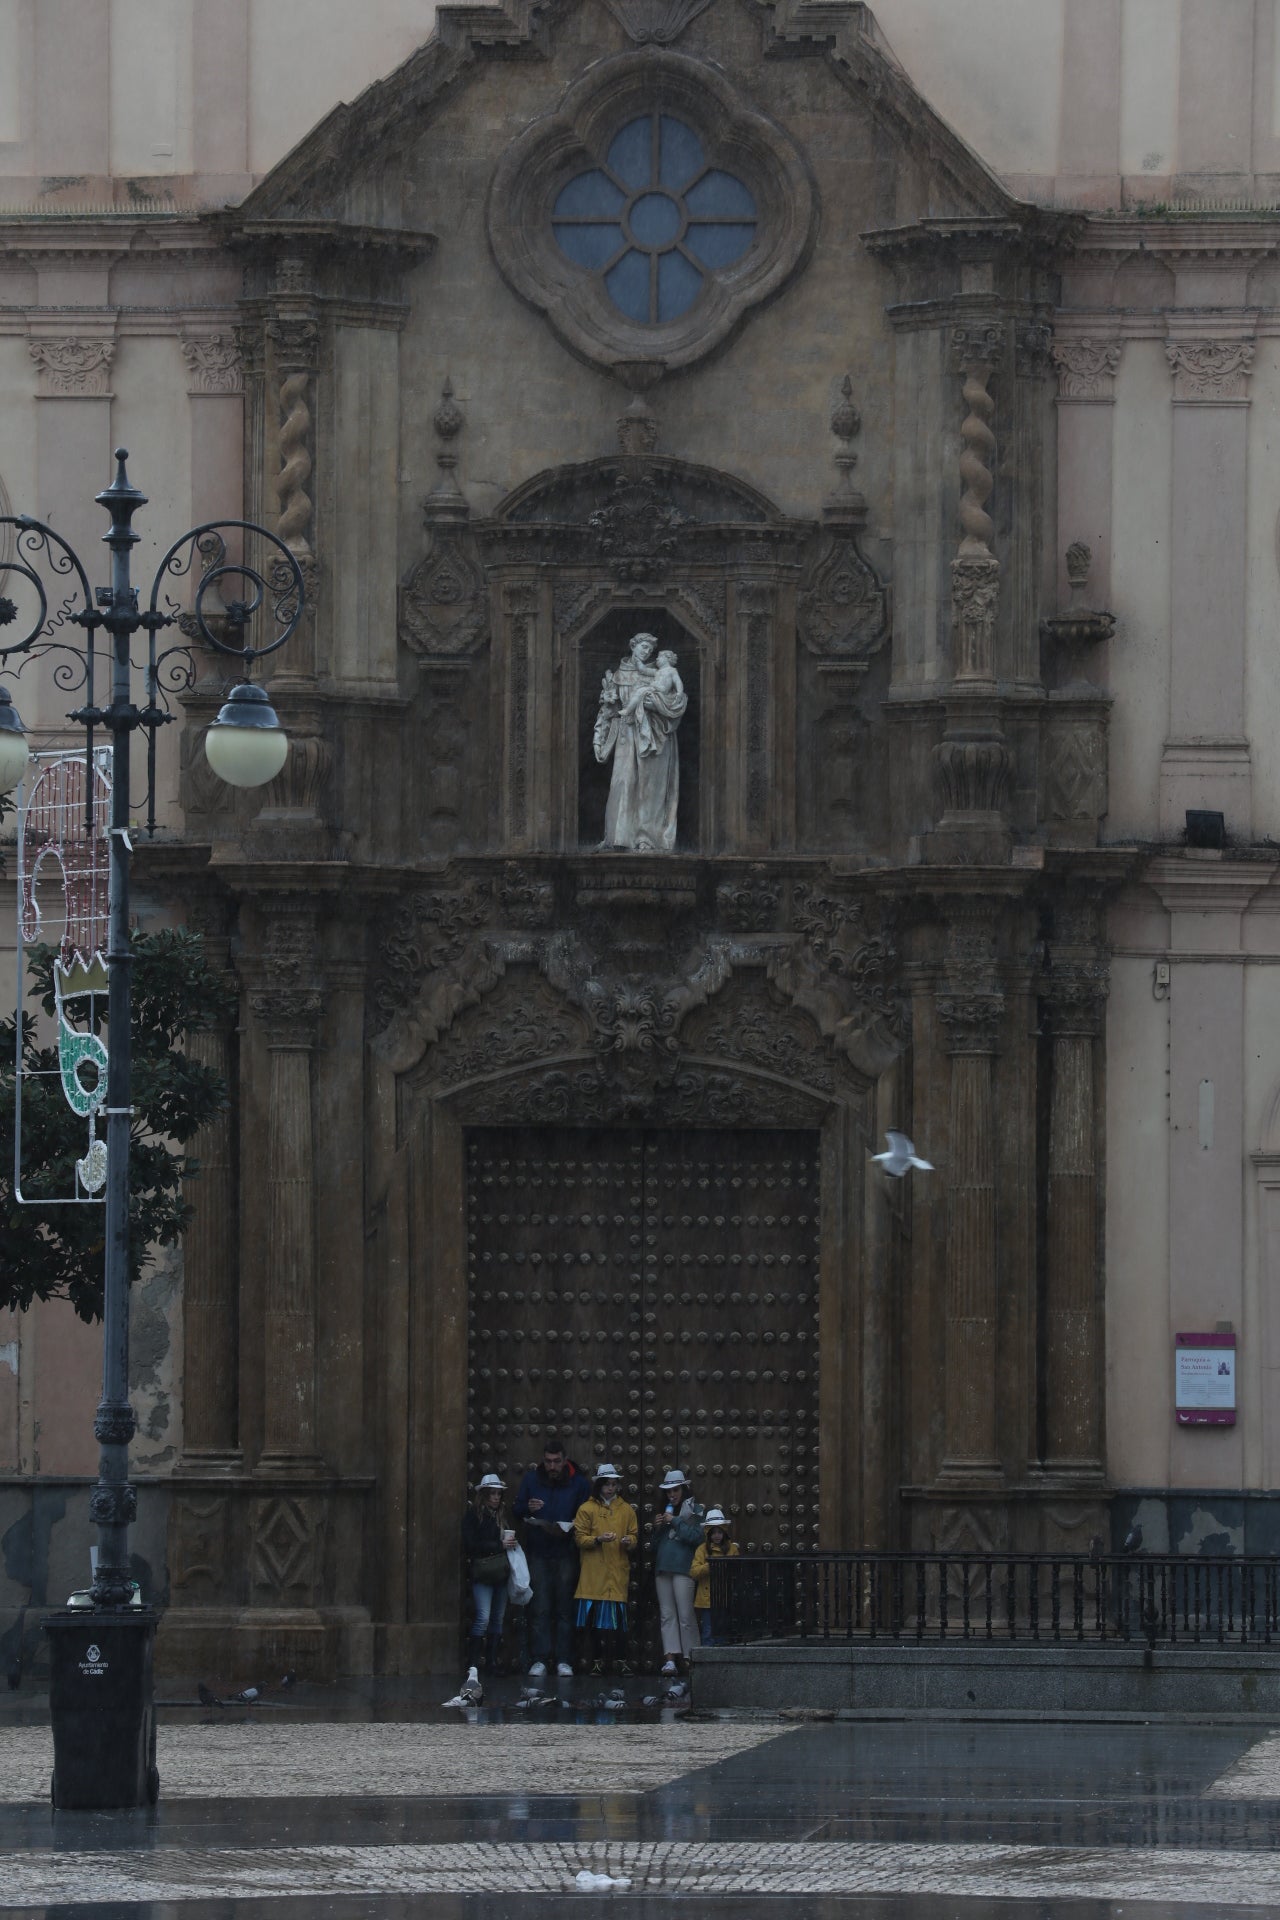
x: 102, y: 1705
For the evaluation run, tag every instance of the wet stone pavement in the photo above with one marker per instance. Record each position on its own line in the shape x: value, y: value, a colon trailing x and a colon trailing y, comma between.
x: 372, y: 1801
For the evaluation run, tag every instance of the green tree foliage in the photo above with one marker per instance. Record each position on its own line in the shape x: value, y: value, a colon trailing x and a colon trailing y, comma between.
x: 51, y: 1253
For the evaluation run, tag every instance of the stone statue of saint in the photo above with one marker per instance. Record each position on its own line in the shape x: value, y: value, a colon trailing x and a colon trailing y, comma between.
x: 642, y: 702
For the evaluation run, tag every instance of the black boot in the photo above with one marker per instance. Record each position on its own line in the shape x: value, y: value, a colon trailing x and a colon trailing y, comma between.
x: 477, y: 1653
x: 493, y: 1661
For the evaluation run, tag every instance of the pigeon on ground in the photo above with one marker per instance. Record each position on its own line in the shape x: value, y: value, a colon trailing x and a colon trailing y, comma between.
x: 536, y: 1700
x: 288, y: 1680
x: 901, y: 1156
x: 678, y: 1690
x: 588, y: 1882
x: 207, y: 1697
x: 1133, y: 1539
x: 469, y: 1694
x: 246, y: 1696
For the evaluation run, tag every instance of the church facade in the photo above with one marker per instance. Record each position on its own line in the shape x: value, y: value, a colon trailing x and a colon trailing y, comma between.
x: 704, y: 740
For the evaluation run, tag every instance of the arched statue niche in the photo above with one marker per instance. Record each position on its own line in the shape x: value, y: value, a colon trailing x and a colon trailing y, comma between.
x: 600, y: 652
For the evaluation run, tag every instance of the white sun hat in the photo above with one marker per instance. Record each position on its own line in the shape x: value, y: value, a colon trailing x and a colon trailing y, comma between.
x: 607, y: 1471
x: 490, y: 1484
x: 674, y: 1478
x: 715, y: 1517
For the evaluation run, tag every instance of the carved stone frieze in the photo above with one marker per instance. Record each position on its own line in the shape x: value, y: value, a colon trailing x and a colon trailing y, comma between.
x: 525, y: 899
x: 1087, y: 368
x: 973, y: 774
x: 73, y: 368
x: 573, y: 603
x: 1210, y: 370
x: 697, y: 1095
x: 287, y: 997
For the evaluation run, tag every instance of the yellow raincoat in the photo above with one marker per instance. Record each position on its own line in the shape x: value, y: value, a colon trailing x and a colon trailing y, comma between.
x: 701, y: 1572
x: 606, y: 1568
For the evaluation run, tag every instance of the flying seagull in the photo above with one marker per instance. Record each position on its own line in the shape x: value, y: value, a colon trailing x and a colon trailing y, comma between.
x: 901, y: 1156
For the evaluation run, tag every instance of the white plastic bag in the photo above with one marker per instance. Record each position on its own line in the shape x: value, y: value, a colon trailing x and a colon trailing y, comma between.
x: 519, y: 1591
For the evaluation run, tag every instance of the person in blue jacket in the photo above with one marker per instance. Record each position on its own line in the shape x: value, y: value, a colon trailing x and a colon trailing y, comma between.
x: 677, y: 1534
x: 547, y: 1501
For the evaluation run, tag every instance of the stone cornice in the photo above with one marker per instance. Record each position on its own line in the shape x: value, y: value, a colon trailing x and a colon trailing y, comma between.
x: 1189, y: 882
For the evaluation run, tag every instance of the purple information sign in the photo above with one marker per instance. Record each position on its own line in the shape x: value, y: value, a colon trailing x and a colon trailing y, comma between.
x: 1205, y: 1379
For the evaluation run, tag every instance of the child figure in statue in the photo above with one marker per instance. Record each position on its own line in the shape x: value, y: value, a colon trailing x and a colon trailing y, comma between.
x: 666, y: 687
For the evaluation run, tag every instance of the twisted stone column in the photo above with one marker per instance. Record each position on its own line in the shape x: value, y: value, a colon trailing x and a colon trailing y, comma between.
x: 1073, y: 1309
x: 289, y: 1009
x: 970, y: 1007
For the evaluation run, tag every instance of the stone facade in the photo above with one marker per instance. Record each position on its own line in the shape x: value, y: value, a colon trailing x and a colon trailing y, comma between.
x: 868, y: 483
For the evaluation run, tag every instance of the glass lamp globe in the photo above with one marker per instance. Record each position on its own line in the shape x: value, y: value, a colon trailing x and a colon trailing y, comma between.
x: 13, y: 744
x: 246, y: 745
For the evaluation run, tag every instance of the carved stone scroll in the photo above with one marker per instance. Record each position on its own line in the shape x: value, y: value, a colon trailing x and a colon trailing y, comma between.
x: 214, y: 363
x: 73, y: 369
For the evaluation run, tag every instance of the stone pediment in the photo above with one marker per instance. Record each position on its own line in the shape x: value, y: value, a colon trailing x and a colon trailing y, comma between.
x: 603, y: 494
x: 346, y: 167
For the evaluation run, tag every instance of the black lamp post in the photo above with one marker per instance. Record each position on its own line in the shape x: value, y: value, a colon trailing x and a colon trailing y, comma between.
x: 100, y: 1692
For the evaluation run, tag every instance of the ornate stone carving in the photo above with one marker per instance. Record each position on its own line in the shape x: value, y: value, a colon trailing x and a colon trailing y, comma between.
x: 1033, y: 345
x: 843, y: 607
x: 573, y: 602
x: 444, y: 602
x: 214, y: 363
x: 519, y: 1021
x: 639, y: 528
x: 524, y: 899
x: 655, y: 22
x: 1210, y: 370
x: 287, y: 1000
x: 696, y: 1095
x: 429, y: 932
x: 1086, y: 368
x: 755, y: 1025
x: 970, y: 1002
x: 73, y: 369
x: 1075, y: 775
x: 286, y: 1541
x: 749, y: 903
x: 973, y: 774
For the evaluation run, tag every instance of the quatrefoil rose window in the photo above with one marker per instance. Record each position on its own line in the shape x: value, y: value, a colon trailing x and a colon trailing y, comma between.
x: 654, y: 220
x: 650, y: 211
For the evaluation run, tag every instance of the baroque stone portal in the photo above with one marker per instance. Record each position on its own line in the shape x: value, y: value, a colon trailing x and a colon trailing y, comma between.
x: 641, y: 705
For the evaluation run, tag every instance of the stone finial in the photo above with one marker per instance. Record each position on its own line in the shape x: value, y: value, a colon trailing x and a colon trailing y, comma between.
x: 846, y: 424
x: 445, y: 499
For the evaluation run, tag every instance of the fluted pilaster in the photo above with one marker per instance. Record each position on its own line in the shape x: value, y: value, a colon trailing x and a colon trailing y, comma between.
x: 970, y: 1007
x: 289, y: 1008
x: 1073, y: 1329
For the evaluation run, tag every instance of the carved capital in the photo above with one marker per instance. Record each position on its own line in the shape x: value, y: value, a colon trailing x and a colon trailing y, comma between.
x: 295, y: 341
x: 214, y: 363
x: 1210, y: 370
x: 1033, y: 346
x: 973, y: 774
x: 977, y: 343
x: 286, y: 1000
x: 1076, y: 996
x: 72, y: 368
x: 1086, y: 369
x: 970, y: 1003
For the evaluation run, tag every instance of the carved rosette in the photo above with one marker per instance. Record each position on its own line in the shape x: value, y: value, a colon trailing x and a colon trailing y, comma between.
x: 843, y: 607
x: 1087, y: 369
x: 444, y: 602
x: 214, y: 363
x: 73, y: 369
x: 1210, y: 371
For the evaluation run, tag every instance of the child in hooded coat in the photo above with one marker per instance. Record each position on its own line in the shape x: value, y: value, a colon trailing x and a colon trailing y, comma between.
x: 716, y: 1545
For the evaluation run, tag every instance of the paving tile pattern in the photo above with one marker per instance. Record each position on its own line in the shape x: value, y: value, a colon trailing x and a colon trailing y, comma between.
x: 232, y: 1762
x: 978, y: 1873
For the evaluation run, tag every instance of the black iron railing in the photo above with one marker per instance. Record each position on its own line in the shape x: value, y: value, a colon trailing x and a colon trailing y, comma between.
x: 1153, y: 1599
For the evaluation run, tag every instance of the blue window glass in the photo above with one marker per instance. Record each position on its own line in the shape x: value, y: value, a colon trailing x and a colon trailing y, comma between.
x: 654, y: 220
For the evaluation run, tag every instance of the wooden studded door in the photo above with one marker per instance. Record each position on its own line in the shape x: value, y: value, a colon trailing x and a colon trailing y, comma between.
x: 653, y: 1297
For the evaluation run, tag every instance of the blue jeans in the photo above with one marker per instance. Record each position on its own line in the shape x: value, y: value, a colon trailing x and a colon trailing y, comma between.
x: 553, y: 1579
x: 491, y: 1607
